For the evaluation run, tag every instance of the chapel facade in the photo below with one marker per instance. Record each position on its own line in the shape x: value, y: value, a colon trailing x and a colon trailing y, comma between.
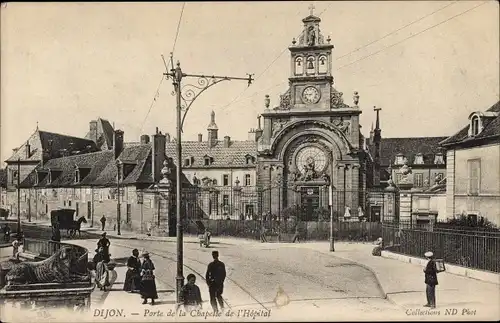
x: 311, y: 151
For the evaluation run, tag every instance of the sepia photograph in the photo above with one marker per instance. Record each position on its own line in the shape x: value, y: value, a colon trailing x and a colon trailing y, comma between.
x: 249, y: 161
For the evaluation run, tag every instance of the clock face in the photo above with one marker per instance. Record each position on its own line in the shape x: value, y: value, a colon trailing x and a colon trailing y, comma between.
x: 310, y: 95
x: 311, y: 156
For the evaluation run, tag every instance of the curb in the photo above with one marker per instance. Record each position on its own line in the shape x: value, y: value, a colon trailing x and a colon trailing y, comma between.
x: 480, y: 275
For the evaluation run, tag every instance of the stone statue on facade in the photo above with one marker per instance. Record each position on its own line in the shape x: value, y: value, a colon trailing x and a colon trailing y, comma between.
x: 347, y: 213
x: 311, y: 36
x: 405, y: 172
x: 343, y: 126
x: 309, y: 172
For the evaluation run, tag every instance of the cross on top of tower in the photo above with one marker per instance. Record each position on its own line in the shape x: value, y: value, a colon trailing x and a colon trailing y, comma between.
x: 311, y: 8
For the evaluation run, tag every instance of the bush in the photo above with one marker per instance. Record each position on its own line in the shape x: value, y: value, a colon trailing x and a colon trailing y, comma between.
x: 377, y: 251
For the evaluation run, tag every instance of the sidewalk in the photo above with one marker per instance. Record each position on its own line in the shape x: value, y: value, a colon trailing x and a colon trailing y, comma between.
x: 403, y: 283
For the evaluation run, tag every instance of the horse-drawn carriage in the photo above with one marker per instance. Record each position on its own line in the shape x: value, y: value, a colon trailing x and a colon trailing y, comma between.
x: 64, y: 219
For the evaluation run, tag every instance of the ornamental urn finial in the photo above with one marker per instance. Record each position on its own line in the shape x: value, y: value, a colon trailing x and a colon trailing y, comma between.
x: 356, y: 98
x: 294, y: 41
x: 267, y: 101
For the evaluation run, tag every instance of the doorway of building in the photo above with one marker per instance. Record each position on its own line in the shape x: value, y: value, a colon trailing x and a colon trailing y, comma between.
x: 375, y: 212
x: 309, y: 202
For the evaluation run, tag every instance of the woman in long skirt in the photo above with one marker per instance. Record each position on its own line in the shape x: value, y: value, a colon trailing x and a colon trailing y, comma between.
x: 132, y: 278
x: 102, y: 273
x: 148, y: 285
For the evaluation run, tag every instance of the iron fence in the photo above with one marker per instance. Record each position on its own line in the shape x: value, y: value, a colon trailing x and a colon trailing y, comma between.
x: 469, y: 248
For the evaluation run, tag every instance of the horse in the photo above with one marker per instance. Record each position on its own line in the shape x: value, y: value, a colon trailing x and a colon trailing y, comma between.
x: 76, y: 225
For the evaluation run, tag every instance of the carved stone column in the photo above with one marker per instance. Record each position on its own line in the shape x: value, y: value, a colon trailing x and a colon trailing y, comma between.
x: 339, y: 195
x: 164, y: 191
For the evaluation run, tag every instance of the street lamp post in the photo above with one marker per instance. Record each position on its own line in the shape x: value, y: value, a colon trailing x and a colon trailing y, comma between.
x: 185, y: 96
x: 332, y: 246
x: 18, y: 196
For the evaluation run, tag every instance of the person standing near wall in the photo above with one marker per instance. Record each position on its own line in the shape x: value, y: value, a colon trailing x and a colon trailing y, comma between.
x: 103, y: 222
x: 431, y: 280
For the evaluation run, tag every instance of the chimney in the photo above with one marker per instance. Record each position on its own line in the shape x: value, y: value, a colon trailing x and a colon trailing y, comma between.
x: 28, y: 150
x: 93, y: 130
x: 200, y: 137
x: 258, y: 131
x: 71, y: 148
x: 144, y: 139
x: 212, y: 131
x: 118, y: 143
x: 158, y: 154
x: 227, y: 141
x: 251, y: 134
x: 167, y: 137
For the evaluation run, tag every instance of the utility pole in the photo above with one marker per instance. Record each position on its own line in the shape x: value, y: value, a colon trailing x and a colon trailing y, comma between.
x: 118, y: 204
x: 185, y: 96
x: 18, y: 196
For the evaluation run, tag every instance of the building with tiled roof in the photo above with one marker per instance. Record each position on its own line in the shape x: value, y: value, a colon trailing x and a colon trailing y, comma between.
x: 40, y: 147
x: 472, y: 173
x: 226, y: 164
x: 101, y: 132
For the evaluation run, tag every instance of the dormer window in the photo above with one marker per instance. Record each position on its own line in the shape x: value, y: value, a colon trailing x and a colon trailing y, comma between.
x: 208, y: 160
x: 189, y: 161
x: 439, y: 159
x: 400, y: 159
x: 77, y: 176
x: 249, y: 159
x: 475, y: 124
x: 419, y: 159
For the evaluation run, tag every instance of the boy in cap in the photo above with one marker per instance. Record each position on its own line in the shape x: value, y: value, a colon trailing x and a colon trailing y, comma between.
x: 190, y: 295
x: 431, y: 281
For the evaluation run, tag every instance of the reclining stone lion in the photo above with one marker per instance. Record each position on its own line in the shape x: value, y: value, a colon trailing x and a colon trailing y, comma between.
x: 58, y: 268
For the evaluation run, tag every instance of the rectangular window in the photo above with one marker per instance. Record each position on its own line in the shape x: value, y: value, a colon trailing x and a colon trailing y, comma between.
x: 419, y: 159
x: 225, y: 180
x: 248, y: 179
x: 474, y: 169
x: 225, y: 199
x: 418, y: 179
x: 249, y: 210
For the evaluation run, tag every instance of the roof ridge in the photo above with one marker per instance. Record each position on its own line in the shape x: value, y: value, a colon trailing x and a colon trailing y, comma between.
x: 60, y: 134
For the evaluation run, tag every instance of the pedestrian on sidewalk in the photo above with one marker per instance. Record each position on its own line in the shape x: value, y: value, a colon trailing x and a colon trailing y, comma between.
x: 104, y: 244
x: 15, y: 248
x: 102, y: 273
x: 148, y: 285
x: 132, y: 277
x: 215, y: 276
x: 431, y: 280
x: 190, y: 295
x: 103, y: 222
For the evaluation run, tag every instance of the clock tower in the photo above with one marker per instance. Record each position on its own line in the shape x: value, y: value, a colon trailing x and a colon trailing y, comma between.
x: 311, y: 64
x: 310, y: 151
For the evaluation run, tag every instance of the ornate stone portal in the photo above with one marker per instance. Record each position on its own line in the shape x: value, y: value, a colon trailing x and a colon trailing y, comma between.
x: 308, y: 151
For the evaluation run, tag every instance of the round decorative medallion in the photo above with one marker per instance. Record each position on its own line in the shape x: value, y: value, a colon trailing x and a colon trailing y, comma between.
x: 310, y: 95
x: 311, y: 158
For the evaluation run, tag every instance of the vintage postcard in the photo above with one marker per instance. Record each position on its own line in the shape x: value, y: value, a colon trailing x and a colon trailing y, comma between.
x: 250, y: 161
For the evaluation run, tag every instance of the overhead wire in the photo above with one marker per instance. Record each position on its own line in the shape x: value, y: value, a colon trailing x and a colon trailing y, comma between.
x: 157, y: 93
x: 397, y: 30
x: 392, y: 45
x: 413, y: 35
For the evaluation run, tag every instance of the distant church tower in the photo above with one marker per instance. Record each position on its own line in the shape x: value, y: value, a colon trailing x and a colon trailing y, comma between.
x: 310, y: 148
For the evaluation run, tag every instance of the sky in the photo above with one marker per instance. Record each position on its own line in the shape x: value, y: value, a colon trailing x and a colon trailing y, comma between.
x: 64, y: 64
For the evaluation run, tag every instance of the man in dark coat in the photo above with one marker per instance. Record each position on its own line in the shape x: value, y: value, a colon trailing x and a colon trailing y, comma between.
x: 430, y: 280
x: 103, y: 222
x: 215, y: 276
x: 132, y: 277
x: 104, y: 244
